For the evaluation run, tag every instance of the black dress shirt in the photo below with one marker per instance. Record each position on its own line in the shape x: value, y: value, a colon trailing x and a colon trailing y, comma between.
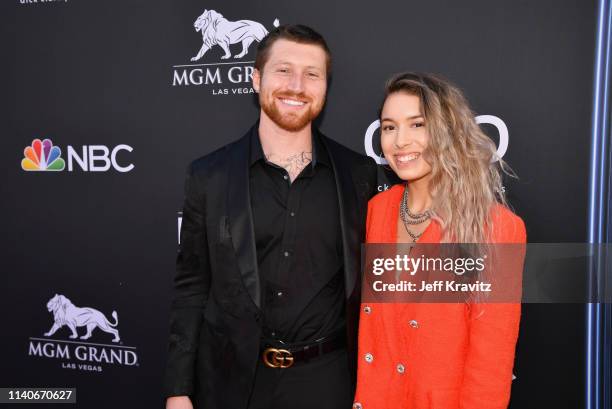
x: 299, y: 246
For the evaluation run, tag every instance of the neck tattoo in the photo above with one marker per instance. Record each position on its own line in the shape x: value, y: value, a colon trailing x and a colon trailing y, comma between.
x: 293, y: 164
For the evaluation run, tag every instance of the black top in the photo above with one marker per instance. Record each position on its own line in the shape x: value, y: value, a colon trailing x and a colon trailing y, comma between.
x: 299, y: 246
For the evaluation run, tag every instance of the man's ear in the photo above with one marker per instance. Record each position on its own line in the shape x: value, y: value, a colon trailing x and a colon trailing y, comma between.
x: 256, y: 80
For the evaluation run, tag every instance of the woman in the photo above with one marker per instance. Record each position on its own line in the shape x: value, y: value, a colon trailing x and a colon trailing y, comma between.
x: 451, y: 355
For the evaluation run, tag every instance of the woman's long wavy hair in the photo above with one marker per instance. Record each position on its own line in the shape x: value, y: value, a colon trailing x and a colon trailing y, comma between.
x: 466, y: 173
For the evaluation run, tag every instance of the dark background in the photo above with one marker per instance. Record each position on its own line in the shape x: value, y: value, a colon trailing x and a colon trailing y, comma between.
x: 100, y: 72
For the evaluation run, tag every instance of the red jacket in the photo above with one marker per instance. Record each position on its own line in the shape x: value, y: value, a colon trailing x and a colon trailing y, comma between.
x: 435, y: 356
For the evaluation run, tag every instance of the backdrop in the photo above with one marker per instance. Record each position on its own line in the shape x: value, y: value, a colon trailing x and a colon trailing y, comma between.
x: 104, y: 103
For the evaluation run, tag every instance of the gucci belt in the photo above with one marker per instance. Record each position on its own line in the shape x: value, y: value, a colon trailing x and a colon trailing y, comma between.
x: 277, y: 358
x: 278, y: 354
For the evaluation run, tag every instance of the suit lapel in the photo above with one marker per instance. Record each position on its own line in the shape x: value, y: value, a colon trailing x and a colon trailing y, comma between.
x: 241, y: 217
x: 347, y: 196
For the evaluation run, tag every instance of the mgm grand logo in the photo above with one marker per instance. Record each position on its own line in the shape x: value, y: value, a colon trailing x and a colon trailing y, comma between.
x: 77, y: 352
x: 228, y: 75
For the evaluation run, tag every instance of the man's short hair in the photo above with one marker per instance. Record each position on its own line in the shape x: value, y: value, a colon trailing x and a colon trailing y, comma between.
x: 297, y: 33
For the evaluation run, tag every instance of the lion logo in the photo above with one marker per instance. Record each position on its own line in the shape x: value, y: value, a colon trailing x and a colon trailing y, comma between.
x: 217, y: 30
x: 66, y: 313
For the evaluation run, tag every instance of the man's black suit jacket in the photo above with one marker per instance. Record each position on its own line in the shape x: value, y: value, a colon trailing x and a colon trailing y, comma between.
x: 215, y: 320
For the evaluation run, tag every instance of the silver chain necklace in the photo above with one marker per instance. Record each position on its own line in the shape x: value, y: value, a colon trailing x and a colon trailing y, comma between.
x: 409, y: 218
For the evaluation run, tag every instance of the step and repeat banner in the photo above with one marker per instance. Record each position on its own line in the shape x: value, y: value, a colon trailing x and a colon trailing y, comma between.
x: 104, y: 104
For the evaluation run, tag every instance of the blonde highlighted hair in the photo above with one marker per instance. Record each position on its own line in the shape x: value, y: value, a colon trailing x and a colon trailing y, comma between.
x: 466, y: 177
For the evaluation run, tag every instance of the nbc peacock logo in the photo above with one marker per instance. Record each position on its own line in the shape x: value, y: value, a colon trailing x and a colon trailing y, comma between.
x: 42, y: 156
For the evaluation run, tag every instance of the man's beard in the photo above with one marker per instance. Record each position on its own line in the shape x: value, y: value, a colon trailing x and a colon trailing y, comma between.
x: 292, y: 121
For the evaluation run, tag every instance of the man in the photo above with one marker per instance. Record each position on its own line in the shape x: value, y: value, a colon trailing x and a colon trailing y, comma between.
x: 268, y: 274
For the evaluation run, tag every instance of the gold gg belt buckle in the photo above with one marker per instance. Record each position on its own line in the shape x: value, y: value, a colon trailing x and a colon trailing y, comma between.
x: 277, y: 358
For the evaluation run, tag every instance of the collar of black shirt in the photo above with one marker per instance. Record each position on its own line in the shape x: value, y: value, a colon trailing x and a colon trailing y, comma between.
x: 319, y: 153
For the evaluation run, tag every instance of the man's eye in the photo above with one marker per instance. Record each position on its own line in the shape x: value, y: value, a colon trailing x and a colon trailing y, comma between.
x: 388, y: 128
x: 313, y: 75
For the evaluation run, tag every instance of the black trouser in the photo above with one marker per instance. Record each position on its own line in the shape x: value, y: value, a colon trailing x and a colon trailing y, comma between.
x: 321, y: 383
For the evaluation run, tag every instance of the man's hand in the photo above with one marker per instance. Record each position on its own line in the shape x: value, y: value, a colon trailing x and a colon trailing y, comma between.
x: 179, y: 402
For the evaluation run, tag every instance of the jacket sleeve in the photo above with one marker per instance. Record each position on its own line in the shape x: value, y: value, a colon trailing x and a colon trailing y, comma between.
x: 372, y: 177
x: 493, y: 334
x: 191, y: 288
x: 368, y: 221
x: 372, y: 183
